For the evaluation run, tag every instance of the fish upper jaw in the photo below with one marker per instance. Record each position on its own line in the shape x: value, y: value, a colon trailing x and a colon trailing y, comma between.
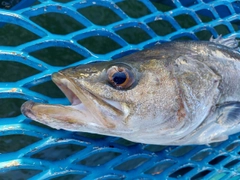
x: 65, y: 85
x: 87, y: 112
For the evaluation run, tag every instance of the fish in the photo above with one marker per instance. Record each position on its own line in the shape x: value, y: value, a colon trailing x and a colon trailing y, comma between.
x: 174, y: 93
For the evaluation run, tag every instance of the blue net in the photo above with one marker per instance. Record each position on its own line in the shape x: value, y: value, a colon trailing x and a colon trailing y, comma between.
x: 44, y: 36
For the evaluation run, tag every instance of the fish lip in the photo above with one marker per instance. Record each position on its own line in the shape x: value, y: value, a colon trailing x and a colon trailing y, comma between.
x: 26, y: 109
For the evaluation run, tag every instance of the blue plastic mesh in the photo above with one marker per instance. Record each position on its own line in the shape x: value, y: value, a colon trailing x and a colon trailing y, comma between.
x: 29, y: 150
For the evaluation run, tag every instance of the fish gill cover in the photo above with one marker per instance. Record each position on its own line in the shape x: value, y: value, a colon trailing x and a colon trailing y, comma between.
x: 43, y: 37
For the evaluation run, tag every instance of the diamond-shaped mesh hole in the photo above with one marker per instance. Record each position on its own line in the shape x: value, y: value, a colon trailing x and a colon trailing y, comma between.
x: 217, y: 160
x: 131, y: 164
x: 160, y: 167
x: 36, y: 2
x: 98, y: 159
x: 183, y: 38
x: 19, y: 174
x: 133, y: 35
x: 232, y: 146
x: 99, y: 44
x: 216, y: 144
x: 14, y: 35
x: 60, y: 152
x: 161, y: 27
x: 181, y: 150
x: 188, y: 3
x: 104, y: 15
x: 48, y: 89
x: 57, y: 56
x: 162, y: 6
x: 63, y: 1
x: 205, y: 15
x: 203, y: 35
x: 139, y: 8
x: 232, y: 163
x: 207, y: 1
x: 223, y: 11
x: 14, y: 71
x: 10, y: 107
x: 236, y: 6
x: 185, y: 21
x: 222, y: 29
x: 201, y: 155
x: 57, y: 23
x: 201, y: 175
x: 236, y: 25
x: 181, y: 172
x: 124, y: 142
x: 12, y: 143
x: 89, y: 135
x: 70, y: 177
x: 154, y: 148
x: 8, y: 4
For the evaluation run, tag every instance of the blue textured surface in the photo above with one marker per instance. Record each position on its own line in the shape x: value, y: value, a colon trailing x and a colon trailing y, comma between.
x: 102, y: 157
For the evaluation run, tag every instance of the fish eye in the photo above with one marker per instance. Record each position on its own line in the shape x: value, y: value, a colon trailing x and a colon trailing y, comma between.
x: 120, y: 77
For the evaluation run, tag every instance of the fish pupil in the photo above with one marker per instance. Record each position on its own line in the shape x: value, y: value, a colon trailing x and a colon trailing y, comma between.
x: 119, y: 77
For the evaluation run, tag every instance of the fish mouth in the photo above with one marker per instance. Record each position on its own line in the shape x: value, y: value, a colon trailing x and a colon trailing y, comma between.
x: 88, y: 112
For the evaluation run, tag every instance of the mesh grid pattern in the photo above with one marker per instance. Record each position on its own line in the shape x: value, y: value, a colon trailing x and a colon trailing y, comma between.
x: 31, y: 150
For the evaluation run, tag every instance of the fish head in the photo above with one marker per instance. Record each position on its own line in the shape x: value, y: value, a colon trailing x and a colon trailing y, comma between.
x: 117, y: 98
x: 146, y: 97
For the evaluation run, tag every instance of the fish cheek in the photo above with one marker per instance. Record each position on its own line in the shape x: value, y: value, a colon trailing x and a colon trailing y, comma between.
x: 154, y: 101
x: 198, y: 88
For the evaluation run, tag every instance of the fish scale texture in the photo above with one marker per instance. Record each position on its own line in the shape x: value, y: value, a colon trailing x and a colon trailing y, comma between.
x: 31, y: 151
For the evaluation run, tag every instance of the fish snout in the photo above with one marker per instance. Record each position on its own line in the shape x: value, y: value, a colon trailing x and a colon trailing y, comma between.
x: 26, y: 109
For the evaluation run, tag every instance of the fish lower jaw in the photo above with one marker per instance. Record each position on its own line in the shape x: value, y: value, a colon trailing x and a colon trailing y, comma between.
x: 73, y: 117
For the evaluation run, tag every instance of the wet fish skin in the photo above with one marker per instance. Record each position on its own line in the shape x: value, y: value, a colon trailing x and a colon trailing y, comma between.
x: 183, y: 93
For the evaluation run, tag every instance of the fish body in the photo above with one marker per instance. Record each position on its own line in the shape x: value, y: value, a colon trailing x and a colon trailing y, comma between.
x: 176, y: 93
